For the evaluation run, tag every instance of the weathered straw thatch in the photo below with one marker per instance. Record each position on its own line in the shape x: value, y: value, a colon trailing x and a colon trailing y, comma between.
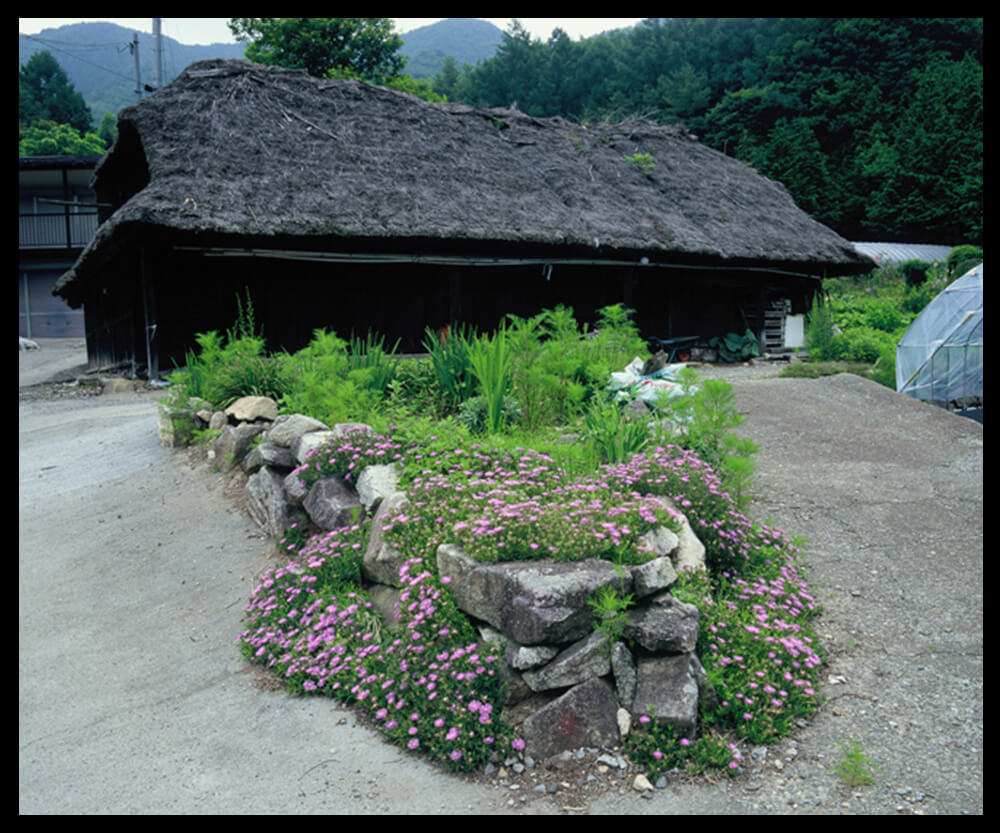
x: 237, y: 152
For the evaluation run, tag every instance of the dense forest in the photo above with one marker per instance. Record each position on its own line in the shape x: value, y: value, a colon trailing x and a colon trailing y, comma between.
x: 874, y: 124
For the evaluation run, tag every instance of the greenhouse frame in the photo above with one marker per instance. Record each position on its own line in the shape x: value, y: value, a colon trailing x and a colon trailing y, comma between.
x: 940, y: 359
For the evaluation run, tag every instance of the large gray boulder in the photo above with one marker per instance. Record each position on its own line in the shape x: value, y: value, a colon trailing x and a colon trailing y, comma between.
x: 233, y: 443
x: 583, y: 716
x: 624, y: 671
x: 304, y: 444
x: 666, y: 626
x: 266, y: 503
x: 531, y: 602
x: 296, y: 490
x: 252, y: 408
x: 287, y: 427
x: 667, y: 689
x: 526, y: 657
x: 375, y: 483
x: 332, y: 503
x: 382, y: 561
x: 653, y: 576
x: 690, y: 550
x: 268, y: 454
x: 586, y: 658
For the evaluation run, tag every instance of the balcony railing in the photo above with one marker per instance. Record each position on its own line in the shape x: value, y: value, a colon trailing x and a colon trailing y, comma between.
x: 56, y: 231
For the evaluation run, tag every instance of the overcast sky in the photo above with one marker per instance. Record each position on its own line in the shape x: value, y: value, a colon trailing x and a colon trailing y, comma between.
x: 205, y: 30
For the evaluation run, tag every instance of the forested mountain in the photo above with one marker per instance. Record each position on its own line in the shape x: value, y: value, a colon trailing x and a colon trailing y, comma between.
x: 874, y: 124
x: 465, y: 39
x: 99, y: 63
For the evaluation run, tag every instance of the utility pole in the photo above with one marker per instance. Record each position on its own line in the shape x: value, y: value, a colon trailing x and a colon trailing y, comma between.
x: 157, y: 59
x: 134, y: 46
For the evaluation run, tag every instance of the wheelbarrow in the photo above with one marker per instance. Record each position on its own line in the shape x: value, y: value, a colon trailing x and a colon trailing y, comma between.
x: 677, y: 349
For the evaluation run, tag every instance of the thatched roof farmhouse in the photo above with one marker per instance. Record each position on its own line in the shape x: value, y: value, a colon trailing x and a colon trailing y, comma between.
x: 354, y: 207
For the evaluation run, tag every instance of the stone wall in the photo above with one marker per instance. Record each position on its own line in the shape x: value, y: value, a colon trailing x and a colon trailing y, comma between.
x: 569, y: 683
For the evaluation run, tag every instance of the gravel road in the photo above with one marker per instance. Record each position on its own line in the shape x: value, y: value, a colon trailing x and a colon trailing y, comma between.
x: 134, y: 565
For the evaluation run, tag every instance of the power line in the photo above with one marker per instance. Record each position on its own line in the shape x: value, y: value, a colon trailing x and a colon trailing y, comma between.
x: 72, y: 43
x: 120, y: 46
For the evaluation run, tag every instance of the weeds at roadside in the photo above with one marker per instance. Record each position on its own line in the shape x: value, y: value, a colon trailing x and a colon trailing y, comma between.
x: 855, y: 768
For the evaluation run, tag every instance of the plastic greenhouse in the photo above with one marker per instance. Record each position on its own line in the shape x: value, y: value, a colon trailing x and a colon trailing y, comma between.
x: 940, y: 359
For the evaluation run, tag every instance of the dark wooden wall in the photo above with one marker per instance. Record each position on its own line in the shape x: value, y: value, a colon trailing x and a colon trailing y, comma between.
x: 171, y: 296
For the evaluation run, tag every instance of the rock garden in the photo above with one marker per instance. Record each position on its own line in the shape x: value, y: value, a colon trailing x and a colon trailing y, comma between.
x: 485, y: 605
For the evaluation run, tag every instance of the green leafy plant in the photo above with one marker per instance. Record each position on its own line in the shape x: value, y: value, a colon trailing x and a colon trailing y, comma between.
x: 702, y: 420
x: 450, y: 359
x: 914, y: 271
x: 413, y: 392
x: 370, y: 355
x: 658, y: 747
x: 884, y: 315
x: 819, y: 330
x: 613, y: 436
x: 320, y: 385
x: 644, y: 161
x: 491, y: 365
x: 736, y: 347
x: 476, y: 416
x: 610, y: 608
x: 246, y: 371
x: 962, y: 258
x: 855, y: 768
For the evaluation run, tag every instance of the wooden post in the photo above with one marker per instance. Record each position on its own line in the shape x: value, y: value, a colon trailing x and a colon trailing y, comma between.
x: 149, y: 323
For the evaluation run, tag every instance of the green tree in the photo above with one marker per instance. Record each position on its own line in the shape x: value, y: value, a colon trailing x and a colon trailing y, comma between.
x: 360, y: 47
x: 420, y: 87
x: 446, y: 82
x: 46, y: 138
x: 510, y: 76
x: 793, y: 156
x: 934, y: 191
x: 45, y: 93
x: 682, y: 93
x: 108, y: 129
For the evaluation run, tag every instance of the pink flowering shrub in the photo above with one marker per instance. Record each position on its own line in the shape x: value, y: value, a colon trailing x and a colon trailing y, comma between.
x: 504, y: 515
x: 656, y: 747
x: 350, y: 454
x: 431, y: 687
x: 428, y: 686
x: 756, y: 641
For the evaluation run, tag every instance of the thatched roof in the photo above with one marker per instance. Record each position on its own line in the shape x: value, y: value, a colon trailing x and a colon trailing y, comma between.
x: 237, y: 151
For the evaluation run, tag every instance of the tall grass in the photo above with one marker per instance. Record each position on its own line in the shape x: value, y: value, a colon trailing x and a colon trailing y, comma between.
x: 491, y: 364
